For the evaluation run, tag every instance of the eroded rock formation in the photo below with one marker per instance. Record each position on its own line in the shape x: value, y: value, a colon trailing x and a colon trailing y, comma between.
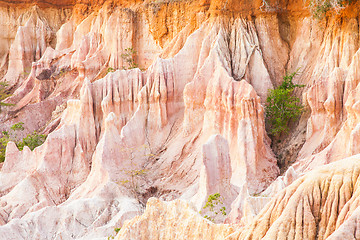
x: 188, y: 123
x: 161, y: 215
x: 313, y: 207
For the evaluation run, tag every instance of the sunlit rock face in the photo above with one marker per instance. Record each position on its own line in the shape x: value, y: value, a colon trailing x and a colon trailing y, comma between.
x: 132, y: 121
x: 146, y: 99
x: 320, y: 205
x: 185, y: 223
x: 323, y: 204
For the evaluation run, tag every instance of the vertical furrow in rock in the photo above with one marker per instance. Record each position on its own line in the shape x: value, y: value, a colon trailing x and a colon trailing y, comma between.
x: 30, y: 43
x: 187, y: 127
x: 335, y: 184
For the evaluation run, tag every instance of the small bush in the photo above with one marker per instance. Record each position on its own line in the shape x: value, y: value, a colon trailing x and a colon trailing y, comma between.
x: 32, y: 140
x: 110, y: 69
x: 116, y: 230
x: 215, y: 206
x: 282, y: 106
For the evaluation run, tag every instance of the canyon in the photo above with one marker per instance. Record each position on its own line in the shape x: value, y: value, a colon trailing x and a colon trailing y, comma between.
x: 150, y: 107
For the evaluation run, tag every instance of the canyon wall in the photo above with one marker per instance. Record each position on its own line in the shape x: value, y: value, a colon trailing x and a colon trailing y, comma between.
x: 153, y: 106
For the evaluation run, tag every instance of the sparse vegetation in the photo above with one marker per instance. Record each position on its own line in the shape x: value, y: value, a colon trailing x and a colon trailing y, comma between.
x: 319, y: 8
x: 62, y: 72
x: 4, y: 93
x: 110, y: 69
x: 265, y: 7
x: 215, y: 205
x: 32, y: 140
x: 116, y: 230
x: 136, y: 175
x: 129, y: 58
x: 133, y: 184
x: 282, y: 106
x: 26, y: 72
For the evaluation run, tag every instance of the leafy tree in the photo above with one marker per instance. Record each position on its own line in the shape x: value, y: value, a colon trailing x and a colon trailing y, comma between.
x: 282, y: 106
x: 32, y: 140
x: 9, y: 135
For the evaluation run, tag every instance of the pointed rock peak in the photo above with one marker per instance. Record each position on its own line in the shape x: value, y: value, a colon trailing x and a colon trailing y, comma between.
x: 239, y: 208
x: 72, y: 106
x: 290, y: 175
x: 33, y: 14
x: 110, y: 121
x: 216, y: 152
x: 35, y: 8
x: 11, y: 147
x: 86, y: 87
x: 85, y: 92
x: 81, y: 69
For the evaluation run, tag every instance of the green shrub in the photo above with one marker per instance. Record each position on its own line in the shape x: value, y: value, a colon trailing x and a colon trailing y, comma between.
x: 282, y: 106
x: 32, y: 140
x: 215, y: 206
x: 110, y: 69
x: 116, y: 230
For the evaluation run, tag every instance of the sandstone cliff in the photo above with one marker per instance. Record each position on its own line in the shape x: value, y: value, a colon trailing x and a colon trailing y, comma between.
x: 182, y: 119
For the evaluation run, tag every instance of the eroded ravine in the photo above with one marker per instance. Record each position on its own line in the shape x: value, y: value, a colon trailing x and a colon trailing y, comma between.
x: 189, y: 124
